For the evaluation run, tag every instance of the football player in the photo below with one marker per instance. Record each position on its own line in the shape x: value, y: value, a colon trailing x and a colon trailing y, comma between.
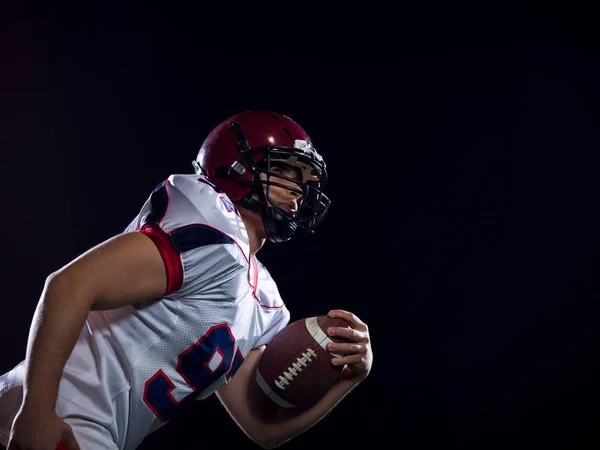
x: 178, y: 307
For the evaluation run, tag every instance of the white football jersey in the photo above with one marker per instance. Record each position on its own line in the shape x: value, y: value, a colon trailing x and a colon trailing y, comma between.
x: 134, y: 368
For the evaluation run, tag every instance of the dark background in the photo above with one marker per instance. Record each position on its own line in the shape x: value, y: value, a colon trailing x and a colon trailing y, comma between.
x: 461, y: 147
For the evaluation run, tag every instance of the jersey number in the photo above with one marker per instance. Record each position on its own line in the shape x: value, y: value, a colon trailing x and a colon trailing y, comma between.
x: 200, y: 365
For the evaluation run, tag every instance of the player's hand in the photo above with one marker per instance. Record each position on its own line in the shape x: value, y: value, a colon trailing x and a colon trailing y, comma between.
x: 358, y: 356
x: 34, y: 429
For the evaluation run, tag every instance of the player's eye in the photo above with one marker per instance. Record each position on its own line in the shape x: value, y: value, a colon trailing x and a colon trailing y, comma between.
x: 287, y: 171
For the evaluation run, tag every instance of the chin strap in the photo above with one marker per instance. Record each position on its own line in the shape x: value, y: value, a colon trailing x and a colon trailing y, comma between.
x: 277, y: 227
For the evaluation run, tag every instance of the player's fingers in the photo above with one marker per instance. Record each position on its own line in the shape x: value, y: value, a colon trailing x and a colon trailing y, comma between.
x: 352, y: 319
x: 349, y: 334
x: 350, y: 359
x: 345, y: 348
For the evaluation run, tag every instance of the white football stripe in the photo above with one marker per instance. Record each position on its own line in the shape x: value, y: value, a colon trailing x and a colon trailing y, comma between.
x: 270, y: 393
x: 312, y: 325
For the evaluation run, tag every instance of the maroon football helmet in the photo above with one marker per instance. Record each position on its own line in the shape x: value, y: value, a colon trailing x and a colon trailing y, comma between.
x: 243, y: 146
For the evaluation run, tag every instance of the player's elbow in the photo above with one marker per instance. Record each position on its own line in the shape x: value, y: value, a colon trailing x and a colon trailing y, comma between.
x: 268, y: 444
x: 265, y: 440
x: 267, y: 435
x: 258, y: 432
x: 270, y: 434
x: 60, y: 286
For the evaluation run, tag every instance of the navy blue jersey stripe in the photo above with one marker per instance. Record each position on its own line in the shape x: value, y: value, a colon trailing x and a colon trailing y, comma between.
x: 159, y: 201
x: 194, y: 236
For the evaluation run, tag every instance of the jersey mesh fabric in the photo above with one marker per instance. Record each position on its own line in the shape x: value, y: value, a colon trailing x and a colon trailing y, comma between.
x: 11, y: 393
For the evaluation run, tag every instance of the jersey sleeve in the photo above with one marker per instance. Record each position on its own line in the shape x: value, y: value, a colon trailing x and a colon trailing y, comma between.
x: 176, y: 217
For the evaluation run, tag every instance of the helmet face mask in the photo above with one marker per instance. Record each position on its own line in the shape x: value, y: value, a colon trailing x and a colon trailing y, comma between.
x: 240, y: 156
x: 313, y: 203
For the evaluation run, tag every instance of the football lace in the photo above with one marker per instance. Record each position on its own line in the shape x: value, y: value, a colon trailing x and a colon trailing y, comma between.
x: 291, y: 372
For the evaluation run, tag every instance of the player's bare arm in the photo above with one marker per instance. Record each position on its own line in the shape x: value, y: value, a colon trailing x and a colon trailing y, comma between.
x: 271, y: 426
x: 123, y: 270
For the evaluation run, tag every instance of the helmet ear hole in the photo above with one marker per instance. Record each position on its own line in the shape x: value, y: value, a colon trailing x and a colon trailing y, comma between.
x: 222, y: 172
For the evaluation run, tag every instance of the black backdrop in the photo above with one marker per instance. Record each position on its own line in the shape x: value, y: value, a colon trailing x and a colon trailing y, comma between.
x: 464, y: 225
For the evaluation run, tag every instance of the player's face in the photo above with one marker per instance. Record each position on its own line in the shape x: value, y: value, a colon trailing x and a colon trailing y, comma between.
x: 284, y: 198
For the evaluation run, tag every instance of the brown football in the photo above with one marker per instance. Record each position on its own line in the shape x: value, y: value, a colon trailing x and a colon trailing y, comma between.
x: 295, y: 368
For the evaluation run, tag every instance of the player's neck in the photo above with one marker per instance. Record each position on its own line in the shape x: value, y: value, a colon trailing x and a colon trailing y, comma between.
x: 255, y: 229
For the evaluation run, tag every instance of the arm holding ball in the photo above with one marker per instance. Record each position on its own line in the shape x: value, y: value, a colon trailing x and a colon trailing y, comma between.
x: 269, y: 424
